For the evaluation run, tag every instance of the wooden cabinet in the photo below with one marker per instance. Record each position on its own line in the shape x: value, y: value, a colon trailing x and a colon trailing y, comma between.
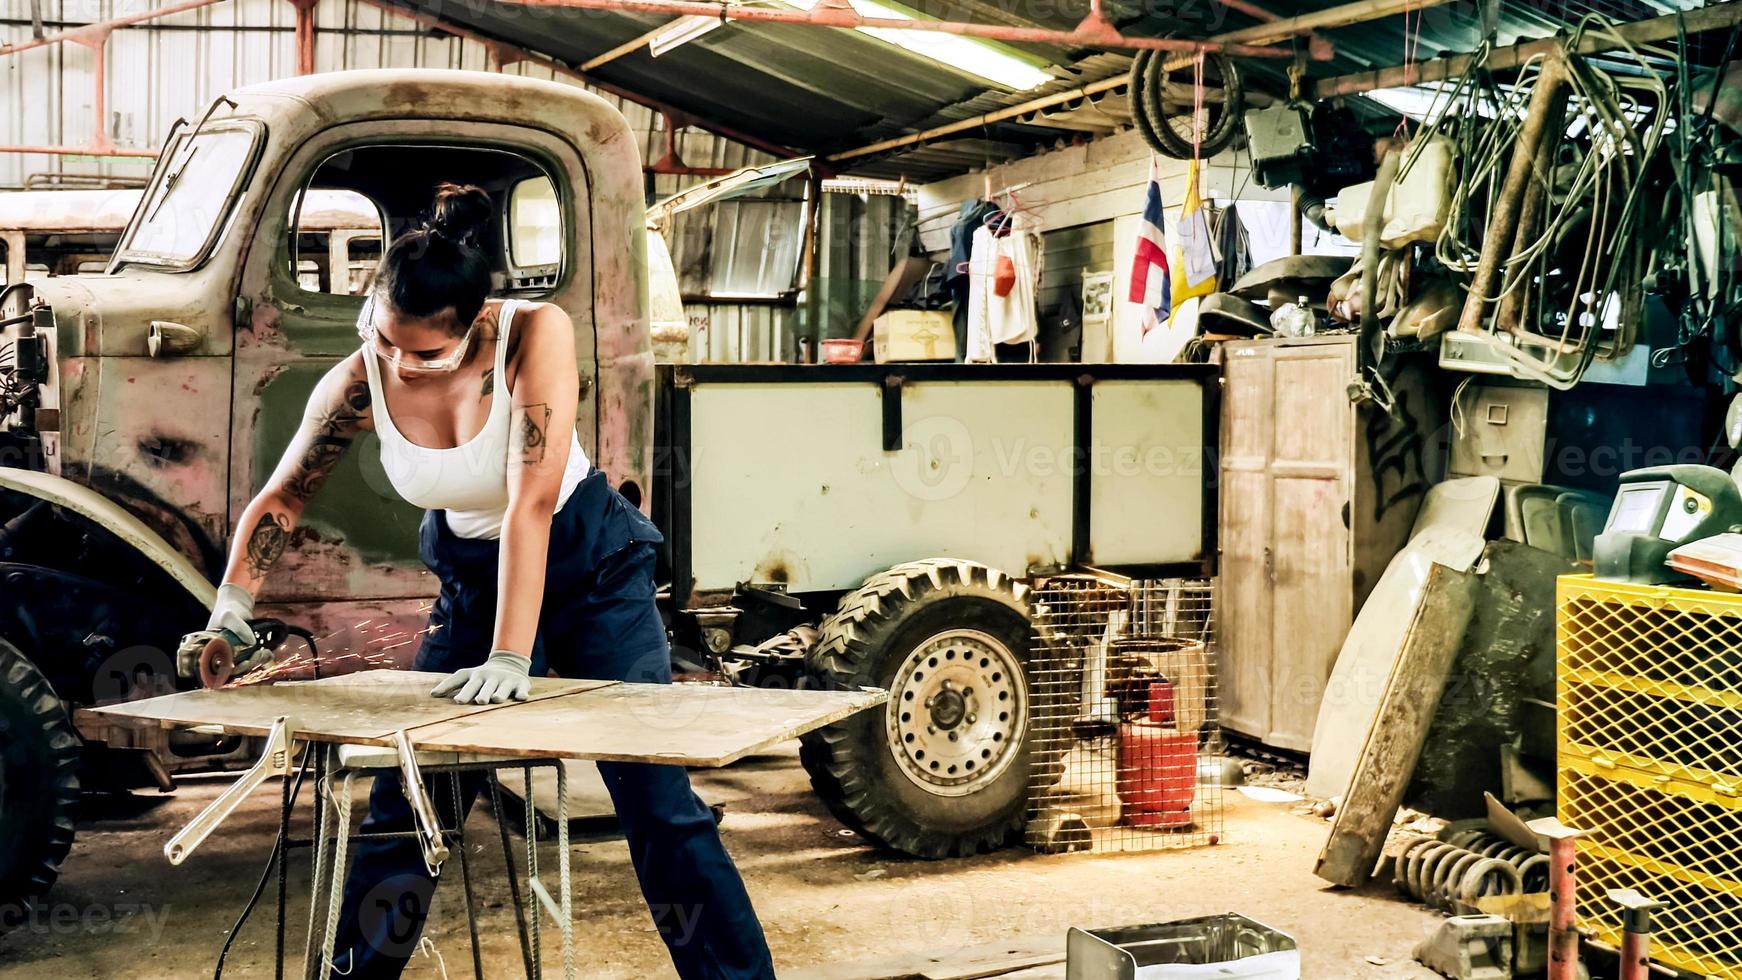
x: 1316, y: 497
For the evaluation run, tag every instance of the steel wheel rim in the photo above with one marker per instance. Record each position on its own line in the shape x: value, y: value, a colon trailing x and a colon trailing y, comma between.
x: 958, y: 712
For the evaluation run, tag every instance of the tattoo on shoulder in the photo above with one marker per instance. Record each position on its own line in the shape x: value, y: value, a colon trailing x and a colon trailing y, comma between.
x: 533, y: 426
x: 267, y: 542
x: 333, y: 433
x: 357, y: 396
x: 489, y: 382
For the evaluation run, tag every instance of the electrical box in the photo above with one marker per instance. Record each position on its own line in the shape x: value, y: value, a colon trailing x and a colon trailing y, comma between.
x: 1280, y: 141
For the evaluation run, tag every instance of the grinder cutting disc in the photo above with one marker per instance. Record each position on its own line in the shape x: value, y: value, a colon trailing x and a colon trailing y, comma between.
x: 217, y: 660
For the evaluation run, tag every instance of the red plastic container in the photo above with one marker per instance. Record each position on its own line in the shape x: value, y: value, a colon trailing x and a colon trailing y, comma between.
x: 1161, y: 708
x: 1158, y: 774
x: 843, y: 351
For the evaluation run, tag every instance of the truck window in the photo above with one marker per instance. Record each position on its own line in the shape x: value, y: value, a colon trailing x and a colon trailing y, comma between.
x: 190, y: 196
x: 337, y: 240
x: 372, y: 192
x: 534, y: 224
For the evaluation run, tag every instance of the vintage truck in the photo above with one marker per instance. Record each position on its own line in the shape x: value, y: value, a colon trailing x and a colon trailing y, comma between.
x: 826, y: 525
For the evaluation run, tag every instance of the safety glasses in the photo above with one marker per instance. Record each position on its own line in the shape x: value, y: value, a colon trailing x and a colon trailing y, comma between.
x: 410, y: 361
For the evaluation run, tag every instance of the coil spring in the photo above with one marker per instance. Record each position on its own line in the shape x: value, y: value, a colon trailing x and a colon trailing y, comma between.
x: 1453, y: 874
x: 1532, y: 865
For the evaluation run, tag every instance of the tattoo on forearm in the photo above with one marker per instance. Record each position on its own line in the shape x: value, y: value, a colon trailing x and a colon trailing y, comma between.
x: 489, y: 383
x: 533, y: 425
x: 267, y: 542
x: 317, y: 463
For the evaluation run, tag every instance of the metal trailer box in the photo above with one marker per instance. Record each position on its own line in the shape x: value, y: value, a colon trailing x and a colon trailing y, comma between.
x: 1226, y: 947
x: 811, y: 478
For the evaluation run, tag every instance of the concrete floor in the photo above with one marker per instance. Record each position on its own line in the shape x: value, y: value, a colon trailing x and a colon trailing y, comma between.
x: 825, y: 897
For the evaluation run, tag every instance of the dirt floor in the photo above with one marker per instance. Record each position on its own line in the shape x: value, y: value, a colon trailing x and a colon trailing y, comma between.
x: 825, y: 897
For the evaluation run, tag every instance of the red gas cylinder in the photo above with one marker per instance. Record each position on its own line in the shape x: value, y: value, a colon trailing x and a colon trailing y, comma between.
x: 1158, y: 774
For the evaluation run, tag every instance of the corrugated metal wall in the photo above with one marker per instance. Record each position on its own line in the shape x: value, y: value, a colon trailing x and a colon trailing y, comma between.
x: 165, y: 69
x: 172, y: 67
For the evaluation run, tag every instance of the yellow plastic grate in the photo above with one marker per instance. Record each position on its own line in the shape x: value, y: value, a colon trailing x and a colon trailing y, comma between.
x: 1649, y: 691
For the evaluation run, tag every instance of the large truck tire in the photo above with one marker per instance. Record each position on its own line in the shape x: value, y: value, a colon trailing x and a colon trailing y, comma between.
x: 943, y: 770
x: 39, y: 779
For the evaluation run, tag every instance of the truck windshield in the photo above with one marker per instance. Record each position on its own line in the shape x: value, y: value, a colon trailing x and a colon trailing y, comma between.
x: 189, y: 198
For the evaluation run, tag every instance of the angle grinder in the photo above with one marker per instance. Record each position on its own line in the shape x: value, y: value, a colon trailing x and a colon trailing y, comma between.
x: 219, y: 656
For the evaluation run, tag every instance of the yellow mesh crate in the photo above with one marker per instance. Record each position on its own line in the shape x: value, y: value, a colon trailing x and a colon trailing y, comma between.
x: 1649, y: 698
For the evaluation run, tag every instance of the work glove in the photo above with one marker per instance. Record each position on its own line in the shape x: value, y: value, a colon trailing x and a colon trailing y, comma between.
x: 504, y: 676
x: 231, y: 612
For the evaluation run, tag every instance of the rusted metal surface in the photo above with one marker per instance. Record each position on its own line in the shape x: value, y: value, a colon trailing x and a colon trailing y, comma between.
x: 1546, y: 102
x: 181, y: 442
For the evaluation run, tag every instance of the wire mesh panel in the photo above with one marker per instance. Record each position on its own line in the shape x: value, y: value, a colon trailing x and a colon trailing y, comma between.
x: 1124, y: 716
x: 1649, y: 699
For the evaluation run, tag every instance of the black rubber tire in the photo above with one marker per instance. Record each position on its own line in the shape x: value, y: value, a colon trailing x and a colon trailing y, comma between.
x: 864, y: 644
x: 39, y: 779
x: 1134, y: 93
x: 1159, y: 131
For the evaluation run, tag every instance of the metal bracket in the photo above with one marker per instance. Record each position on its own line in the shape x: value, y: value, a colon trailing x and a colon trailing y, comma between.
x: 435, y: 848
x: 277, y: 759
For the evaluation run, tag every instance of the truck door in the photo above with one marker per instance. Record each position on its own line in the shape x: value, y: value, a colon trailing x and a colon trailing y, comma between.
x: 358, y: 539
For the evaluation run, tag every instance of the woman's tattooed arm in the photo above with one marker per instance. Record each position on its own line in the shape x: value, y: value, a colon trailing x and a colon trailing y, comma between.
x: 337, y: 411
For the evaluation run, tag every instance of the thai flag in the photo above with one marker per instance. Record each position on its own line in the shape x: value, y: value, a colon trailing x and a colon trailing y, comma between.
x: 1151, y: 281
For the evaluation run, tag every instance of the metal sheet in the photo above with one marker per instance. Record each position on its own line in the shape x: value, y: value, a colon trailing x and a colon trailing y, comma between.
x: 674, y: 724
x: 364, y: 708
x: 984, y: 473
x: 1146, y: 459
x: 1375, y: 641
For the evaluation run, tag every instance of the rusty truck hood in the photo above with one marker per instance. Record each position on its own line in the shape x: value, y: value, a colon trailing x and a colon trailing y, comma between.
x: 111, y: 315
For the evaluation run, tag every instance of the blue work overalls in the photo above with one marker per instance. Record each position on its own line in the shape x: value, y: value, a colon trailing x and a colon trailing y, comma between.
x: 599, y: 621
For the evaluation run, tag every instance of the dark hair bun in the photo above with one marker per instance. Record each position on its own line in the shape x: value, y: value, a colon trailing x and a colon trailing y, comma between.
x: 459, y: 212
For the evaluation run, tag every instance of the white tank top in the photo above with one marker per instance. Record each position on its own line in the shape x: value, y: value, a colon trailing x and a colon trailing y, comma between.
x: 469, y: 481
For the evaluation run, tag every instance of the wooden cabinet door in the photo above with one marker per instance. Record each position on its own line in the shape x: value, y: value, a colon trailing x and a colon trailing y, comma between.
x: 1309, y: 509
x: 1243, y: 594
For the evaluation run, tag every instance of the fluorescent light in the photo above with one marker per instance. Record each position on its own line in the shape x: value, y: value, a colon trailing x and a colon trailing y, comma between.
x: 681, y: 31
x: 969, y: 54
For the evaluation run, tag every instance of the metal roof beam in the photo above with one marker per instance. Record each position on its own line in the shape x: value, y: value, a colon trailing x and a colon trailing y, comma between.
x: 1342, y: 16
x: 1655, y: 30
x: 502, y: 53
x: 1094, y: 30
x: 89, y: 32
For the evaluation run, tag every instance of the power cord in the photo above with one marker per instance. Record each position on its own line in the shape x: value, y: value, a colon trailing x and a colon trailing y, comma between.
x: 278, y: 847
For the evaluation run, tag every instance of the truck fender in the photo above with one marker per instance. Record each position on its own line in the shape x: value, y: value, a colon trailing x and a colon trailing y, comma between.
x: 109, y: 515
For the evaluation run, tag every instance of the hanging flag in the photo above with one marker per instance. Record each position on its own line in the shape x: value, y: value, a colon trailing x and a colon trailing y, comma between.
x: 1150, y: 278
x: 1194, y: 271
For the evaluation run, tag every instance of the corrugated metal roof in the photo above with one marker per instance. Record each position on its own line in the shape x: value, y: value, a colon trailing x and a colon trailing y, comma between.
x: 818, y: 90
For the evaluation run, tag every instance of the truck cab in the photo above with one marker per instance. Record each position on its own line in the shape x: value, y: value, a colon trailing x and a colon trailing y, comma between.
x: 142, y: 407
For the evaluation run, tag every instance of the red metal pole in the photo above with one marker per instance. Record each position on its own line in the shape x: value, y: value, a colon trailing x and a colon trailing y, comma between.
x: 1636, y: 912
x: 79, y: 33
x: 305, y: 36
x: 1563, y: 885
x: 1635, y: 956
x: 1089, y: 32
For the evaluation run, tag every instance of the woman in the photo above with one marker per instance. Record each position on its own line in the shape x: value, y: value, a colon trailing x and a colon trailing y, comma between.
x: 543, y: 567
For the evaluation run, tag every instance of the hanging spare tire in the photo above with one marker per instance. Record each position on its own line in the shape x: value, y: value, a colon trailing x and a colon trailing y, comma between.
x: 1164, y: 104
x: 39, y: 779
x: 944, y: 769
